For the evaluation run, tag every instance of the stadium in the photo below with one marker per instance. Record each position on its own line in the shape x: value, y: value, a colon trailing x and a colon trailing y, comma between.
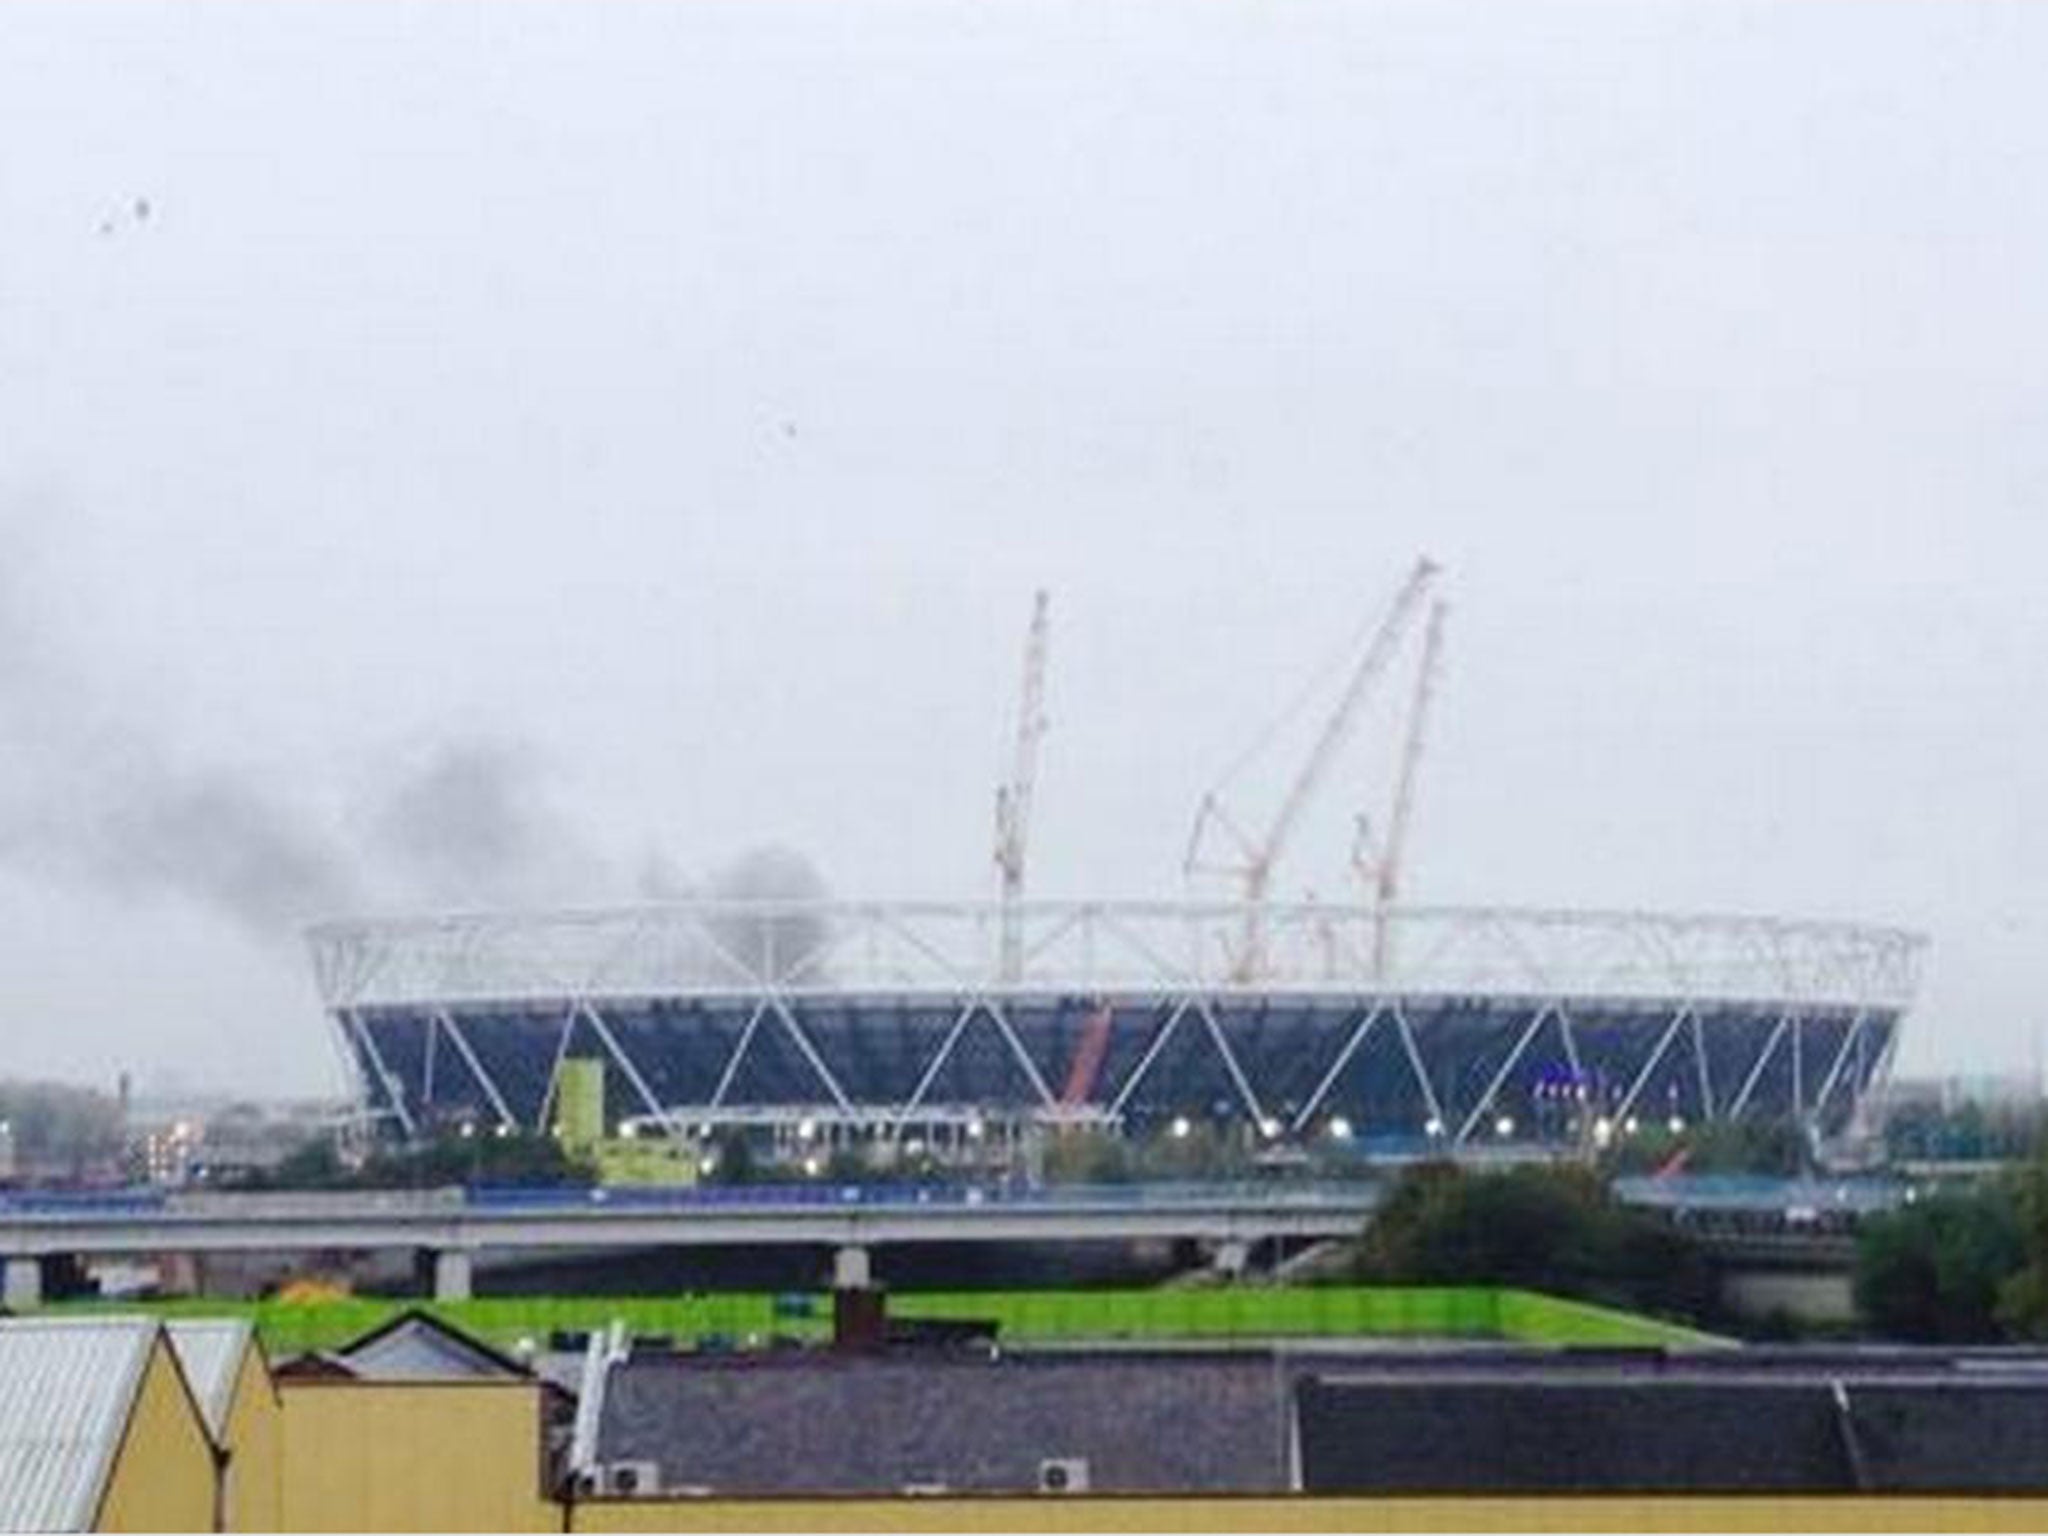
x: 938, y: 1025
x: 1463, y: 1028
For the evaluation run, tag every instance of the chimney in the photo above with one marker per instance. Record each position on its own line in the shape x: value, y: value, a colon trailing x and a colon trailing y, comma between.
x: 860, y: 1320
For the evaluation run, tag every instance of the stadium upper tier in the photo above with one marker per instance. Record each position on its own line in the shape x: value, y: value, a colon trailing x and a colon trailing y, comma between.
x: 1458, y: 1024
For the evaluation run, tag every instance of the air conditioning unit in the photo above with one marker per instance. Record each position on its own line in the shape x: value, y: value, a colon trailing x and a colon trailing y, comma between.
x: 625, y: 1479
x: 1063, y: 1474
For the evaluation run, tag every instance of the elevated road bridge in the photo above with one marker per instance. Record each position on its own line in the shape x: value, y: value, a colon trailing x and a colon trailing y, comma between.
x: 454, y: 1224
x: 1781, y: 1221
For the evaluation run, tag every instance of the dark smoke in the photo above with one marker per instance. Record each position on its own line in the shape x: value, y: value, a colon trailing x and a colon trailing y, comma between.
x: 779, y: 945
x: 92, y: 794
x: 218, y: 839
x: 473, y: 825
x: 88, y: 793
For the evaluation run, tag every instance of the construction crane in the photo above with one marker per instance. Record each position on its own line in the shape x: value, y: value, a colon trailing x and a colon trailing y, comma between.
x: 1013, y: 798
x: 1380, y: 868
x: 1254, y: 870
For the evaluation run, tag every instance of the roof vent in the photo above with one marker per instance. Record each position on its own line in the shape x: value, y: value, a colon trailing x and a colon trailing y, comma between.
x: 1063, y: 1474
x: 627, y: 1479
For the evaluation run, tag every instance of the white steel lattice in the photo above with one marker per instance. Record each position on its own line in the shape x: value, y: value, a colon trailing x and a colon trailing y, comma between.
x: 794, y: 949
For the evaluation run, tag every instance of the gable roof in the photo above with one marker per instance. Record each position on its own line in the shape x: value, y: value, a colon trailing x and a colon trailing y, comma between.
x: 314, y: 1365
x: 416, y: 1345
x: 211, y: 1351
x: 67, y: 1389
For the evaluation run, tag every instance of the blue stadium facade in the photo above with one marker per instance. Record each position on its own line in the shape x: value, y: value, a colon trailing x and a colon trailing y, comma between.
x: 1461, y: 1027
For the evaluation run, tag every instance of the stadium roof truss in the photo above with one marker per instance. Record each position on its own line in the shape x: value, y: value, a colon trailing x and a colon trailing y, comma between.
x: 775, y: 961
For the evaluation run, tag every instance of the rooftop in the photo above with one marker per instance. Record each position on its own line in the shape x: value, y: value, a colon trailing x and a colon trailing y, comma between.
x: 66, y: 1387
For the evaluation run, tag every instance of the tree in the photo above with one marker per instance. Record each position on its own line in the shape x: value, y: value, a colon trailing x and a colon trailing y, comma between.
x: 1756, y: 1146
x: 1082, y: 1156
x: 1934, y: 1271
x: 482, y: 1157
x: 1199, y: 1152
x: 2023, y: 1297
x: 1550, y: 1229
x: 733, y: 1160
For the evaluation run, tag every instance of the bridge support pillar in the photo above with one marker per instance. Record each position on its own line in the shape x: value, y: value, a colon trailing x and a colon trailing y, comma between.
x: 22, y: 1290
x: 851, y: 1269
x: 452, y: 1267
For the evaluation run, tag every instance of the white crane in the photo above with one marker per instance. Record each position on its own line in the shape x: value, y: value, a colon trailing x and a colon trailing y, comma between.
x: 1381, y: 868
x: 1255, y: 870
x: 1013, y: 798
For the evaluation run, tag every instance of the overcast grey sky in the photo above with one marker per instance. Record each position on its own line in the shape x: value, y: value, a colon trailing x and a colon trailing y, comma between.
x: 518, y: 452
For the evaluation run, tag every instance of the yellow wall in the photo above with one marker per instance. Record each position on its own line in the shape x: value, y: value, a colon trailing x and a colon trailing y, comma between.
x: 414, y: 1456
x: 1610, y: 1513
x: 163, y: 1473
x: 253, y: 1499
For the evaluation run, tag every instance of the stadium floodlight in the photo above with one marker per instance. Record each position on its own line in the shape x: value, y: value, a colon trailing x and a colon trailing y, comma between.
x: 1504, y: 1127
x: 1340, y: 1128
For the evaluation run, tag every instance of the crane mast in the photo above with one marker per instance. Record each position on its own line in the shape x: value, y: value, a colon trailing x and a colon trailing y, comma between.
x: 1013, y: 797
x: 1386, y: 870
x: 1260, y: 856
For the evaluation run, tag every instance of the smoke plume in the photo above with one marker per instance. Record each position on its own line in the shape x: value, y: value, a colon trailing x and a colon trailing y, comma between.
x: 93, y: 793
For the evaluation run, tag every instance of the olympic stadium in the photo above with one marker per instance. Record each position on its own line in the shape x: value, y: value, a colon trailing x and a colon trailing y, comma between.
x: 1465, y: 1028
x: 946, y: 1023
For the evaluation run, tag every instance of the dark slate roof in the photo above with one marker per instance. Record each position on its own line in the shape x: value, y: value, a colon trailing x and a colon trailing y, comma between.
x: 1983, y: 1435
x: 1509, y: 1435
x: 824, y: 1423
x: 1425, y: 1420
x: 1785, y: 1421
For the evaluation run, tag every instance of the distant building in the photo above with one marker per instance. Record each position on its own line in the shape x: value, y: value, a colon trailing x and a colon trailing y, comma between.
x: 1946, y: 1095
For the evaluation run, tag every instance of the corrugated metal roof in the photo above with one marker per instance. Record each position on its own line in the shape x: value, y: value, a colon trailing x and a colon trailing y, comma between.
x: 423, y: 1349
x: 66, y: 1389
x: 210, y: 1350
